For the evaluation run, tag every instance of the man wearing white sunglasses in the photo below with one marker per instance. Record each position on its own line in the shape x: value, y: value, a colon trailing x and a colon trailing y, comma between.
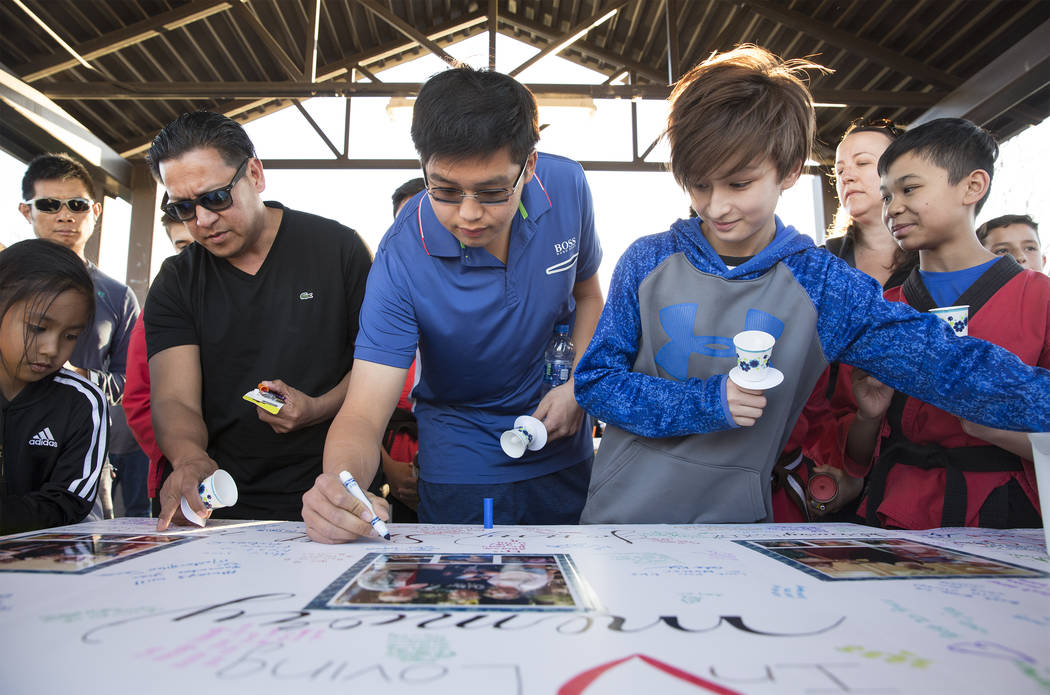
x: 58, y: 199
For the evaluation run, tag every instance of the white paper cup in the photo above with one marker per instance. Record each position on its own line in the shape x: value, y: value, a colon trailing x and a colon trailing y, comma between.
x: 218, y: 490
x: 1041, y: 459
x: 515, y: 442
x: 753, y: 350
x: 958, y: 317
x: 528, y: 433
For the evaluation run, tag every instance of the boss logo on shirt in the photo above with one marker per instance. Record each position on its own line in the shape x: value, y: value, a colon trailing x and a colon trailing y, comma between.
x: 44, y: 438
x: 565, y: 246
x: 303, y: 296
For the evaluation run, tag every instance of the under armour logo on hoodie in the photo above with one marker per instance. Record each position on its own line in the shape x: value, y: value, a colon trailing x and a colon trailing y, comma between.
x: 677, y: 321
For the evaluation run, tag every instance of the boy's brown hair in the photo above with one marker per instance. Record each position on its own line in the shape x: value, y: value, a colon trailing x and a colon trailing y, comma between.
x: 1005, y: 221
x: 738, y: 107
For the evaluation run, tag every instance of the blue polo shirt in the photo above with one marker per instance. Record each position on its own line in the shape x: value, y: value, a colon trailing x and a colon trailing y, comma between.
x: 481, y: 326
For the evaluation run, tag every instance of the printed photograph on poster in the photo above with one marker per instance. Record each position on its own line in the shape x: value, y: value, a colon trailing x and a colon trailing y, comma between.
x: 460, y: 582
x: 77, y: 553
x: 844, y: 559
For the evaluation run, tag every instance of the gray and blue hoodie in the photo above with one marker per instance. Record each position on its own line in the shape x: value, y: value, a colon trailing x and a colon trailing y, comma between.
x: 657, y: 366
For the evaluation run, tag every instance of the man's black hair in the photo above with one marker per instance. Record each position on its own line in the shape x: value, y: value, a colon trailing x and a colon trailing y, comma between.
x: 55, y: 166
x: 953, y: 144
x: 463, y: 112
x: 405, y: 191
x: 201, y: 129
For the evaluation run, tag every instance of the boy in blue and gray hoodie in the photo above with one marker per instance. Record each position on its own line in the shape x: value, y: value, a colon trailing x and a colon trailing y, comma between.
x: 684, y: 443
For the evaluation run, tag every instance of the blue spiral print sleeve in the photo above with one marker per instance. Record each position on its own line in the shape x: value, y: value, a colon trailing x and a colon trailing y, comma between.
x: 918, y: 353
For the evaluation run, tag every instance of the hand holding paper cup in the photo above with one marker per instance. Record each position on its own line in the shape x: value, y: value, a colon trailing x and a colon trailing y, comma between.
x: 753, y: 351
x: 528, y: 434
x: 217, y: 490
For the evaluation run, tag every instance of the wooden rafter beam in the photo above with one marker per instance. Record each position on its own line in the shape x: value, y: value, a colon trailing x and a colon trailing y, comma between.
x: 313, y: 24
x: 493, y: 26
x: 639, y: 69
x: 407, y: 29
x: 122, y: 38
x: 116, y: 91
x: 317, y: 129
x: 674, y: 55
x: 234, y: 107
x: 248, y: 16
x: 571, y: 36
x: 1018, y: 72
x: 851, y: 43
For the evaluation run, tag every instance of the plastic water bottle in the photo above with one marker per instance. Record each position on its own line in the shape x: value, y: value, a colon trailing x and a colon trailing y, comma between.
x: 558, y: 358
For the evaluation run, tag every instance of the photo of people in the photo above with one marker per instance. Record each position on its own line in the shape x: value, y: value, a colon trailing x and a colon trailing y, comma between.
x: 836, y: 559
x: 460, y: 582
x: 72, y: 553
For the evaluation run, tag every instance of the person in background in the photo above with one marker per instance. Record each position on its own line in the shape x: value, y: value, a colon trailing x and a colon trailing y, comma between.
x: 59, y: 200
x: 929, y: 468
x: 136, y: 389
x: 55, y: 422
x: 475, y: 274
x: 1016, y: 235
x: 401, y: 439
x: 860, y: 238
x: 405, y: 192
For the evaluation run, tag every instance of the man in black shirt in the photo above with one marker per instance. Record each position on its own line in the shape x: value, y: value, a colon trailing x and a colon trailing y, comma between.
x: 267, y: 294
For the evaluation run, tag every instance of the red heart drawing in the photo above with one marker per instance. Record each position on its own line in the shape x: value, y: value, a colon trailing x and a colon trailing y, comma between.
x: 579, y: 683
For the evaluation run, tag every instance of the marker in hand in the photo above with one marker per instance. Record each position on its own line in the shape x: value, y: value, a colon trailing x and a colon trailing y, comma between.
x: 354, y: 489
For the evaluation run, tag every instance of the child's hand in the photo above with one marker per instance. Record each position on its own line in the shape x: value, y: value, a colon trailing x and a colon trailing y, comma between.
x: 745, y: 405
x: 873, y: 397
x: 559, y: 412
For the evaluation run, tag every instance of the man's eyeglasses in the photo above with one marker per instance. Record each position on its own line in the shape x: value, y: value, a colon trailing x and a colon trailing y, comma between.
x: 53, y: 205
x: 876, y: 124
x: 218, y: 200
x: 490, y: 196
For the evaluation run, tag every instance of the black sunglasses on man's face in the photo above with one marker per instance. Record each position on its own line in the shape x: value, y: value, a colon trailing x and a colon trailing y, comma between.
x: 218, y: 200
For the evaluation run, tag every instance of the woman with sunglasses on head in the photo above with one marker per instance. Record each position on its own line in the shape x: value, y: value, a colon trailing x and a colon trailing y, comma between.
x: 860, y: 238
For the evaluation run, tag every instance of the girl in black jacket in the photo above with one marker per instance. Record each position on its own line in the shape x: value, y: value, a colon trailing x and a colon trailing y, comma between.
x: 54, y: 424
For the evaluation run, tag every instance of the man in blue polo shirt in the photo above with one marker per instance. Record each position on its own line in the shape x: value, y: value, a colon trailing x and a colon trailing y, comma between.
x: 475, y: 273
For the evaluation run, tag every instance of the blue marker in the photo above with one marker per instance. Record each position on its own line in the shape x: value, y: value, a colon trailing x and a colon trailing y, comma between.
x: 354, y: 489
x: 488, y: 512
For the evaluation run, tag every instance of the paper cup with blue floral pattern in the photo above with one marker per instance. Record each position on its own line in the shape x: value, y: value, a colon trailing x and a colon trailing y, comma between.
x: 218, y: 490
x: 753, y: 350
x: 958, y: 317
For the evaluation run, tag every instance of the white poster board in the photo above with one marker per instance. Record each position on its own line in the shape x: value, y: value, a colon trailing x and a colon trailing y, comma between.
x: 256, y: 607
